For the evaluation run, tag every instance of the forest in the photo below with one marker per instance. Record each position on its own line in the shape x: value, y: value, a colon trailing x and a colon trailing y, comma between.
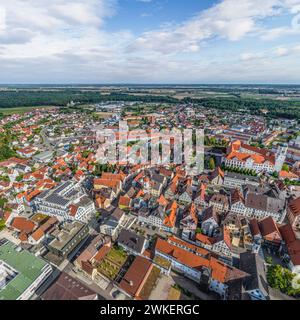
x: 30, y: 98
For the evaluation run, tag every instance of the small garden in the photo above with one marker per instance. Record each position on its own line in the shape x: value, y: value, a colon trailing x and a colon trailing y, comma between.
x: 112, y: 263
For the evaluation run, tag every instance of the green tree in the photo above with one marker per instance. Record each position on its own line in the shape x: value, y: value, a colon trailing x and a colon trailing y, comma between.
x: 3, y: 201
x: 212, y: 164
x: 281, y: 279
x: 269, y: 260
x: 285, y: 167
x: 19, y: 178
x: 199, y: 230
x: 2, y: 224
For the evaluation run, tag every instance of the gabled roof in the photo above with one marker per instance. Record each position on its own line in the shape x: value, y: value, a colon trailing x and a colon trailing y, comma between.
x: 220, y: 198
x: 254, y: 227
x: 217, y: 173
x: 23, y: 225
x: 225, y: 236
x: 136, y: 275
x: 294, y: 207
x: 292, y: 243
x: 204, y: 239
x: 124, y: 201
x: 287, y: 175
x: 219, y: 270
x: 38, y: 234
x: 107, y: 183
x: 237, y: 196
x: 170, y: 219
x: 131, y: 240
x: 163, y: 201
x: 269, y: 227
x: 211, y: 212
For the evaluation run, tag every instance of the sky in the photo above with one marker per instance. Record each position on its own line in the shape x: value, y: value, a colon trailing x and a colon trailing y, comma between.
x: 150, y: 41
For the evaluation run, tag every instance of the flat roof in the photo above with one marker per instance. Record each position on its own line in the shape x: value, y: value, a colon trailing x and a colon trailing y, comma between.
x: 28, y: 267
x: 66, y: 234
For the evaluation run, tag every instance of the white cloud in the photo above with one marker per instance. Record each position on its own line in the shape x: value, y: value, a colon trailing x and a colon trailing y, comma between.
x: 248, y: 56
x: 281, y: 51
x: 229, y: 19
x: 66, y: 40
x: 36, y: 28
x: 2, y: 19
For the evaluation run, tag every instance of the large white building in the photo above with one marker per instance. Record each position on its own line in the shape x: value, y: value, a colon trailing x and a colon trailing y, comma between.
x: 67, y: 201
x: 244, y: 156
x: 198, y: 265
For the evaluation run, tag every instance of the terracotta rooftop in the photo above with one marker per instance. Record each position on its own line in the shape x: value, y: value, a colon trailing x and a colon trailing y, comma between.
x: 135, y: 276
x: 294, y: 207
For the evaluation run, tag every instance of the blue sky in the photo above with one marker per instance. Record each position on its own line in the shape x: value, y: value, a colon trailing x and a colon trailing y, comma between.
x: 150, y: 41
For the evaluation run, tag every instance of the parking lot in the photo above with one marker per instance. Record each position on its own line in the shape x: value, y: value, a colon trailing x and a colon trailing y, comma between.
x: 148, y: 231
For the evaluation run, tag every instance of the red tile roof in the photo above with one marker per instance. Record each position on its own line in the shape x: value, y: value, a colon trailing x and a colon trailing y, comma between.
x: 219, y: 271
x: 23, y: 224
x: 124, y: 201
x: 136, y: 275
x: 170, y: 220
x: 37, y: 234
x: 292, y: 243
x: 294, y: 207
x: 269, y: 230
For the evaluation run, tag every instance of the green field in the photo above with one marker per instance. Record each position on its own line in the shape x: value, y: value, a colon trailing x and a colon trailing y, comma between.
x: 20, y: 110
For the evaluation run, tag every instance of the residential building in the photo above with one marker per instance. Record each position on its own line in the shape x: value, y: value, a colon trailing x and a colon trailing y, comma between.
x: 210, y: 221
x: 131, y: 242
x: 258, y: 202
x: 113, y: 224
x: 136, y: 277
x: 199, y: 266
x: 290, y: 248
x: 236, y: 180
x: 189, y: 222
x: 220, y: 202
